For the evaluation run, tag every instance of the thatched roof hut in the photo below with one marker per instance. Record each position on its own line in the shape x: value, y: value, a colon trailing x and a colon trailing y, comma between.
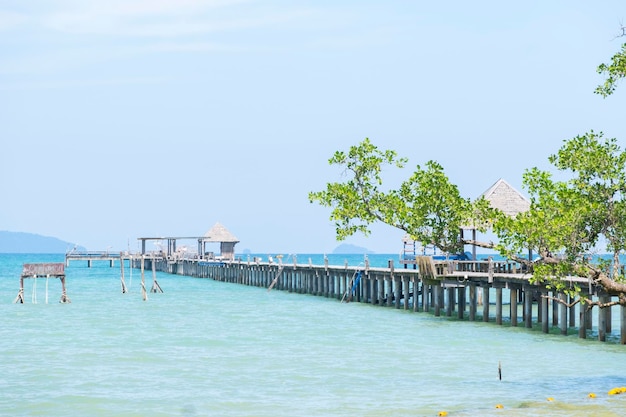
x: 504, y: 197
x: 218, y: 233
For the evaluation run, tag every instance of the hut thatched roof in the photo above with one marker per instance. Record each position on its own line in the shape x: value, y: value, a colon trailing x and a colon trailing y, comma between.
x: 219, y: 233
x: 504, y: 197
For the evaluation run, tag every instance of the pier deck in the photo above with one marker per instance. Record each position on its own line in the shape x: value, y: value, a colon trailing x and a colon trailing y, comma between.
x: 453, y: 288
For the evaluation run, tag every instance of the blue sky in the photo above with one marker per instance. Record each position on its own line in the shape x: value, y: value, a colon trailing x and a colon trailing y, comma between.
x: 129, y: 118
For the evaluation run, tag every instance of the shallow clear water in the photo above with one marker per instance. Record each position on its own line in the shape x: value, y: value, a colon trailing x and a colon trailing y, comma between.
x: 206, y: 348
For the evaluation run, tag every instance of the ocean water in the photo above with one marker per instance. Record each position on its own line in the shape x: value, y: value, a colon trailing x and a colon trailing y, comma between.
x: 206, y: 348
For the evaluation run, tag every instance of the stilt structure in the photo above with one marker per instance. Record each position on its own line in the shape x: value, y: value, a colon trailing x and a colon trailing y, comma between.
x: 43, y: 270
x: 144, y: 294
x: 155, y: 285
x: 124, y: 288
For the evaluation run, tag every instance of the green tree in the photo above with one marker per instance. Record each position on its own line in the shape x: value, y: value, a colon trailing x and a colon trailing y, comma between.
x: 427, y: 206
x: 568, y: 221
x: 613, y: 71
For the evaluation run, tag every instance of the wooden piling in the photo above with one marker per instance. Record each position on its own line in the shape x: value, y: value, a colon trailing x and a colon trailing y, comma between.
x: 499, y: 305
x: 472, y: 302
x: 544, y: 302
x: 485, y: 290
x: 563, y: 318
x: 528, y: 306
x: 513, y: 306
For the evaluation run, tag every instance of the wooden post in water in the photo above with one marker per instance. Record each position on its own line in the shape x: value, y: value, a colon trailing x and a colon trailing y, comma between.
x: 563, y: 318
x: 451, y: 301
x: 381, y: 290
x: 472, y: 301
x: 582, y: 319
x: 513, y: 305
x: 425, y: 292
x: 437, y: 290
x: 572, y: 312
x: 389, y: 302
x: 461, y: 303
x: 64, y: 298
x: 20, y: 295
x: 609, y: 318
x: 588, y: 319
x: 405, y: 286
x: 373, y: 293
x: 499, y: 305
x: 602, y: 319
x: 124, y: 289
x: 398, y: 292
x: 485, y: 290
x: 544, y: 310
x: 528, y: 306
x: 155, y: 285
x: 622, y: 325
x: 144, y: 294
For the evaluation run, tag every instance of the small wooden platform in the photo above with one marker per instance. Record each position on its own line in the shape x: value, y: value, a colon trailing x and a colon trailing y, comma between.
x: 43, y: 270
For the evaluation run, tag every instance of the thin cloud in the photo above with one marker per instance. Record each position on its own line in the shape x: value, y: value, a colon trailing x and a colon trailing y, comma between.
x: 63, y: 84
x: 166, y: 18
x: 10, y: 20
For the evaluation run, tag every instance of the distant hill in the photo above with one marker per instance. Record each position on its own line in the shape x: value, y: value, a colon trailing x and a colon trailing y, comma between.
x: 346, y: 248
x: 18, y: 242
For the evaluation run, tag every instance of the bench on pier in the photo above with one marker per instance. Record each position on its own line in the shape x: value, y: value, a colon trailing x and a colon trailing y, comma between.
x: 428, y: 269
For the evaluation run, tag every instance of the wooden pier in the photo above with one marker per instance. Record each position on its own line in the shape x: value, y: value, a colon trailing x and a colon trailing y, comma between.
x: 461, y: 289
x: 92, y: 256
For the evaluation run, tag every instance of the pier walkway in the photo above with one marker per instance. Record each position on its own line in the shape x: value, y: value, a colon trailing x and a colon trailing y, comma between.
x: 489, y: 291
x: 92, y: 256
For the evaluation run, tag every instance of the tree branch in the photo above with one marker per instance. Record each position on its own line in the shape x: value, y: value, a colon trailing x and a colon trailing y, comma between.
x: 560, y: 301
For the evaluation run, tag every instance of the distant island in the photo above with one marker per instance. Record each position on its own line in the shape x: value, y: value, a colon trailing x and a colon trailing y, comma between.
x: 19, y: 242
x: 346, y: 248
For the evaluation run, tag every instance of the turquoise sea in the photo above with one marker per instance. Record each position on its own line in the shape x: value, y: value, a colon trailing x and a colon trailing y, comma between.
x: 206, y: 348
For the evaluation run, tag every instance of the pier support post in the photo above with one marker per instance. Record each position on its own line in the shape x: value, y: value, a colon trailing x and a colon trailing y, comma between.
x: 398, y: 290
x: 563, y: 318
x: 609, y: 318
x: 64, y: 297
x: 602, y: 319
x: 544, y: 303
x: 425, y: 292
x: 461, y: 303
x: 406, y: 290
x: 513, y: 305
x: 472, y: 302
x: 622, y: 325
x: 155, y: 285
x: 582, y: 325
x: 528, y: 306
x: 144, y: 294
x: 124, y: 289
x: 416, y: 286
x: 485, y: 303
x: 20, y: 295
x: 499, y: 305
x: 381, y: 290
x: 451, y: 301
x: 437, y: 291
